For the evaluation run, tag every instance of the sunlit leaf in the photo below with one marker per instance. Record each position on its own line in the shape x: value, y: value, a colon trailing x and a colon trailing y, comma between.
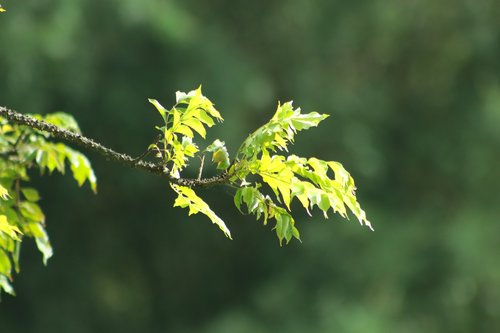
x: 279, y: 131
x: 42, y: 240
x: 4, y: 194
x: 31, y: 211
x: 219, y: 154
x: 196, y: 125
x: 62, y: 120
x: 6, y: 286
x: 160, y: 108
x: 187, y: 198
x: 30, y: 194
x: 285, y: 226
x: 184, y: 130
x: 10, y: 230
x: 5, y: 264
x: 81, y: 169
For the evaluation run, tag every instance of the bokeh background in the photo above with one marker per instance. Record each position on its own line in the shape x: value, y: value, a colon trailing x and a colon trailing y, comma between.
x: 413, y: 88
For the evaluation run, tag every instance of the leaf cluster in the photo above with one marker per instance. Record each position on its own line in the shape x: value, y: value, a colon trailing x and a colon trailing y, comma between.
x: 266, y: 181
x: 23, y: 148
x: 265, y: 176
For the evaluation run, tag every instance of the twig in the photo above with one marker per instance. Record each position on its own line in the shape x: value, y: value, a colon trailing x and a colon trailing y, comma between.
x: 201, y: 166
x: 109, y: 154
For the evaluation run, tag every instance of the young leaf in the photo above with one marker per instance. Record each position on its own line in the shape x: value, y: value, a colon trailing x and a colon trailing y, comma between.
x: 4, y: 194
x: 196, y: 125
x: 187, y: 198
x: 277, y: 175
x: 42, y: 241
x: 4, y: 281
x: 81, y: 168
x: 5, y: 264
x: 285, y: 226
x: 31, y: 211
x: 161, y: 110
x: 10, y: 230
x: 62, y: 120
x: 219, y: 154
x: 255, y: 201
x: 30, y: 194
x: 279, y: 131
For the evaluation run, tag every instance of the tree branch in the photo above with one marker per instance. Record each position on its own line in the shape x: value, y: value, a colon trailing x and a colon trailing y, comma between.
x: 109, y: 154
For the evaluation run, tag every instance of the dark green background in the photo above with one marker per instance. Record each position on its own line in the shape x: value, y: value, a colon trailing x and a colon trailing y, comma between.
x: 413, y: 88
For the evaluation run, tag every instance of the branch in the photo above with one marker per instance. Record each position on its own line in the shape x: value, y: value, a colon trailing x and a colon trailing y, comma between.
x: 109, y: 154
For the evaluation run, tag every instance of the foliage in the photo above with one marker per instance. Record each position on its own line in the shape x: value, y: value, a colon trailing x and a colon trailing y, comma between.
x: 23, y: 148
x: 257, y: 166
x: 266, y: 182
x: 414, y: 92
x: 188, y: 198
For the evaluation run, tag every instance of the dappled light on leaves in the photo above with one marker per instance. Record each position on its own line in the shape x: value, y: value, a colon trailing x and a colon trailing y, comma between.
x: 287, y: 177
x: 265, y: 179
x: 23, y: 148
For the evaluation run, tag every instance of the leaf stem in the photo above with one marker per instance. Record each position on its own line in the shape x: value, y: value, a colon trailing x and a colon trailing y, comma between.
x: 201, y: 166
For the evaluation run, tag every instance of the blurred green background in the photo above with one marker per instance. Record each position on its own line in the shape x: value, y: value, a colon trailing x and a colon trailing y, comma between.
x: 413, y: 88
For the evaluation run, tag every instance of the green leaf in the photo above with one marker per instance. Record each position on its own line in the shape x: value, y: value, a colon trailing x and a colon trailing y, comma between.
x: 305, y: 121
x: 302, y: 191
x: 81, y: 168
x: 253, y: 199
x: 16, y: 253
x: 259, y: 205
x: 285, y: 226
x: 30, y: 194
x: 196, y: 125
x: 6, y: 286
x: 5, y: 264
x: 63, y: 120
x: 4, y: 194
x: 188, y: 198
x: 219, y: 154
x: 181, y: 97
x: 10, y: 230
x: 199, y: 111
x: 279, y: 131
x: 42, y: 240
x: 31, y: 211
x: 202, y: 116
x: 200, y: 102
x: 161, y: 110
x: 277, y: 175
x: 184, y: 130
x: 50, y: 156
x: 190, y: 115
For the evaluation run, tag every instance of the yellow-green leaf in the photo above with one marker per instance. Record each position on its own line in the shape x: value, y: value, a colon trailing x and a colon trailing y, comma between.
x: 5, y: 264
x: 203, y: 117
x: 30, y: 193
x: 31, y: 211
x: 160, y: 108
x: 81, y: 169
x: 42, y: 241
x: 184, y: 130
x: 4, y: 194
x: 188, y: 198
x: 219, y: 154
x: 196, y: 125
x: 4, y: 282
x: 11, y: 230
